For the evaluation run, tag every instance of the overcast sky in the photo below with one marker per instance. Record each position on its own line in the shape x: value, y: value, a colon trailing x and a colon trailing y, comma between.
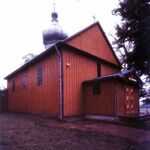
x: 22, y: 23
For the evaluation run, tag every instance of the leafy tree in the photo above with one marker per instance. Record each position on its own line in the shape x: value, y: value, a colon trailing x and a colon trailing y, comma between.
x: 133, y: 35
x: 146, y: 99
x: 28, y: 57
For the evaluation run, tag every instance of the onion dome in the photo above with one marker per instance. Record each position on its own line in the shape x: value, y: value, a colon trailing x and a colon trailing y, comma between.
x: 54, y: 33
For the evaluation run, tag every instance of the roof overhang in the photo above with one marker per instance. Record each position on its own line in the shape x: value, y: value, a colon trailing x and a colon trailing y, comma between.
x: 117, y: 76
x: 36, y: 59
x: 50, y: 50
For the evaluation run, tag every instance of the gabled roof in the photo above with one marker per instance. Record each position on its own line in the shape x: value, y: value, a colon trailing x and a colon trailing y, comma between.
x: 80, y: 51
x: 103, y: 34
x: 64, y: 43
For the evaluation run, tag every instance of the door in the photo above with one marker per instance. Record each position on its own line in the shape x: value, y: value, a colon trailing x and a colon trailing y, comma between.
x: 129, y: 102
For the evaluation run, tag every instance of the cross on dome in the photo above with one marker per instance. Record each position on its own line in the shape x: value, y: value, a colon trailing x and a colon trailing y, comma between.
x: 55, y: 32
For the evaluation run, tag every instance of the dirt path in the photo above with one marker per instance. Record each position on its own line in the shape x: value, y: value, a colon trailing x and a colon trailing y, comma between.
x: 28, y: 132
x: 134, y: 134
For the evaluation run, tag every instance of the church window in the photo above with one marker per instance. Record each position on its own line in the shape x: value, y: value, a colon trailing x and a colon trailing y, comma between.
x: 13, y: 86
x: 24, y: 81
x: 98, y: 69
x: 96, y: 89
x: 39, y: 76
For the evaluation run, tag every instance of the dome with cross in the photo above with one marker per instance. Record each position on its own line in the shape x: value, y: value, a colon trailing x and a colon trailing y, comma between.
x: 54, y: 33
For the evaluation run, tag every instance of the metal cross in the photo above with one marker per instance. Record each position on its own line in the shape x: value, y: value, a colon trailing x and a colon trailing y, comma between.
x: 54, y: 6
x: 94, y: 18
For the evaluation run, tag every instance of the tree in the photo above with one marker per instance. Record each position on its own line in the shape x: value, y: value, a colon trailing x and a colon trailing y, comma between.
x: 146, y: 99
x: 133, y: 35
x: 28, y: 57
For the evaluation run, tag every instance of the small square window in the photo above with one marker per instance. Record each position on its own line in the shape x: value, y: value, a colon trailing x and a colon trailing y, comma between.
x: 96, y: 89
x: 39, y: 76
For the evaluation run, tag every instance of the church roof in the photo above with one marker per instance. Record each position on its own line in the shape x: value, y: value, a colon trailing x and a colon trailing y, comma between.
x: 61, y: 43
x: 103, y: 34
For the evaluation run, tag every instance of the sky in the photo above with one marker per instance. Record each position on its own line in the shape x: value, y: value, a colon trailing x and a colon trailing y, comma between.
x: 22, y: 23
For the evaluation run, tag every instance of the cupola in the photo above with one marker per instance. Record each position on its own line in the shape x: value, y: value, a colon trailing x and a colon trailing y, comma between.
x: 54, y: 33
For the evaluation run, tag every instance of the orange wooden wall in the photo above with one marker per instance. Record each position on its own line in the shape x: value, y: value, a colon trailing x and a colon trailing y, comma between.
x: 93, y: 42
x: 124, y: 97
x: 102, y: 104
x: 80, y: 68
x: 106, y: 69
x: 43, y: 99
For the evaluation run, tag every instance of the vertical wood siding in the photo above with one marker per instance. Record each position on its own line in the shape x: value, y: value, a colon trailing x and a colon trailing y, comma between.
x: 43, y: 99
x: 122, y: 99
x: 102, y: 104
x: 76, y: 69
x: 93, y: 42
x: 106, y: 69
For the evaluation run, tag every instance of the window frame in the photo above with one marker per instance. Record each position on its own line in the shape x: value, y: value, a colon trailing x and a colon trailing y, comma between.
x: 98, y: 69
x: 39, y: 75
x: 24, y: 81
x: 13, y: 86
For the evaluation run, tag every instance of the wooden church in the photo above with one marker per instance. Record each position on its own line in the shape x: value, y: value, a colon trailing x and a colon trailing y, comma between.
x: 78, y: 76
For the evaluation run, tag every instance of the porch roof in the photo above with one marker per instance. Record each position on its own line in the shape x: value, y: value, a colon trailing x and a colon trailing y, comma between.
x: 123, y: 76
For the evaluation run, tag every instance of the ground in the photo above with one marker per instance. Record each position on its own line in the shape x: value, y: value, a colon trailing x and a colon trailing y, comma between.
x: 29, y: 132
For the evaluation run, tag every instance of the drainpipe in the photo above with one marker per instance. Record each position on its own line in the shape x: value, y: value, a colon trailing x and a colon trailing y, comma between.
x: 115, y: 92
x: 60, y: 84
